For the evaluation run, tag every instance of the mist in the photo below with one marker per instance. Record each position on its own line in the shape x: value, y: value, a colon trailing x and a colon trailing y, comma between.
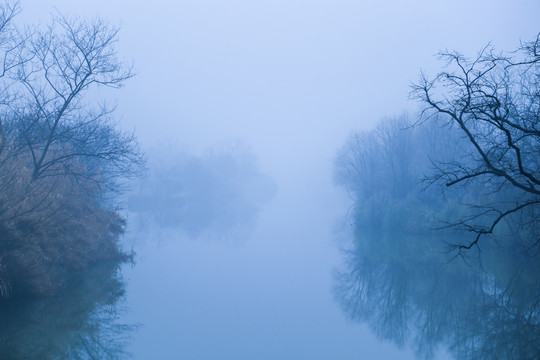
x: 286, y: 193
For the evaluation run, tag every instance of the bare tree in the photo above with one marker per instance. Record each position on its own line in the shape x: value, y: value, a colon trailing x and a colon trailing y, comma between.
x: 52, y: 138
x: 51, y: 135
x: 60, y: 151
x: 357, y: 163
x: 494, y: 99
x: 10, y: 56
x: 63, y: 134
x: 379, y: 161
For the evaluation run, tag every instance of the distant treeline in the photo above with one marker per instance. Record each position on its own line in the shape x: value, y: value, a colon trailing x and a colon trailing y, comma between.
x: 393, y: 174
x: 384, y: 171
x: 217, y: 194
x: 477, y: 137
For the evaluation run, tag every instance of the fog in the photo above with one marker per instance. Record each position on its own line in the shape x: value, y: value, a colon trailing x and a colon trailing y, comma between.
x: 291, y: 78
x: 243, y: 223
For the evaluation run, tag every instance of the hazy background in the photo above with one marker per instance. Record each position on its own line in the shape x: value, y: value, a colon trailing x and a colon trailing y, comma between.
x: 290, y: 77
x: 290, y: 80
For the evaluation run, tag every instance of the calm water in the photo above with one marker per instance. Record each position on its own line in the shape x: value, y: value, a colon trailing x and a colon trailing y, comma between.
x: 265, y: 295
x: 408, y: 290
x: 282, y: 287
x: 82, y: 322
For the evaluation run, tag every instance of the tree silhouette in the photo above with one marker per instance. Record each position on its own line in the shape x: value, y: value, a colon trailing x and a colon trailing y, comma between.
x: 495, y: 101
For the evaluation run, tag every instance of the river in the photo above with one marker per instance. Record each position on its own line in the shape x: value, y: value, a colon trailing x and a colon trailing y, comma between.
x: 268, y: 295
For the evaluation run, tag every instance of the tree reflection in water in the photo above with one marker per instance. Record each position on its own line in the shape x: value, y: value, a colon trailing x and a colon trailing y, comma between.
x: 80, y: 323
x: 407, y: 290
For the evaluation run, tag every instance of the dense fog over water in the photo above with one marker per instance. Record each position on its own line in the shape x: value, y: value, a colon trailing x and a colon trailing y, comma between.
x: 246, y: 224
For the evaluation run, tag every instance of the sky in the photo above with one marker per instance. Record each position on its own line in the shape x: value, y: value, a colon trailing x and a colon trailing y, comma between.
x: 291, y: 78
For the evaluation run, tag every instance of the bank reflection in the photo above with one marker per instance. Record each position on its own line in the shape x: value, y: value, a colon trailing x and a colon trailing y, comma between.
x: 80, y: 323
x: 410, y: 291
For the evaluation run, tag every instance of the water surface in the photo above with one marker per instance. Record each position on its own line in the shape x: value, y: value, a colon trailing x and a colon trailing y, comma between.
x: 267, y: 295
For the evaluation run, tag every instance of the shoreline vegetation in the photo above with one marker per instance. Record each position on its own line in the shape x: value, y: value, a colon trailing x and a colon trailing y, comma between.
x: 468, y: 164
x: 445, y: 226
x: 63, y: 158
